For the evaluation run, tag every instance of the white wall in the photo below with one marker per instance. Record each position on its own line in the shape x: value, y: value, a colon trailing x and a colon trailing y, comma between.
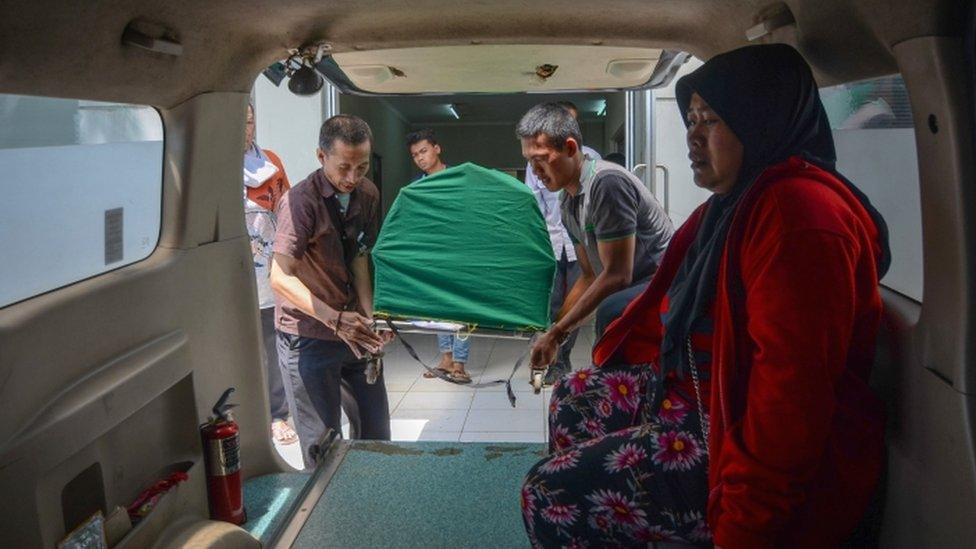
x: 671, y: 151
x: 288, y: 125
x: 389, y: 141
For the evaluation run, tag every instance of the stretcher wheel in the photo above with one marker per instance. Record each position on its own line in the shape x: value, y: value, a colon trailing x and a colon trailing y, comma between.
x: 537, y: 381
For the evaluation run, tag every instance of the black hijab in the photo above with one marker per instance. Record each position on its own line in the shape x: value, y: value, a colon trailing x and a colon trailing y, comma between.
x: 768, y: 97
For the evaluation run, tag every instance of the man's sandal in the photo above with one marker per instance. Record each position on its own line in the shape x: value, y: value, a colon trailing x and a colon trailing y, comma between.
x: 429, y: 375
x: 460, y: 376
x: 282, y: 433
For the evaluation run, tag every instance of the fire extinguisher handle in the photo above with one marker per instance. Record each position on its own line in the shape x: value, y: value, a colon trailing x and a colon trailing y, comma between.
x: 220, y: 409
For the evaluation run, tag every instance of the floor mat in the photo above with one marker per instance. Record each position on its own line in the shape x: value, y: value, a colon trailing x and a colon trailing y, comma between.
x: 267, y: 499
x: 424, y: 494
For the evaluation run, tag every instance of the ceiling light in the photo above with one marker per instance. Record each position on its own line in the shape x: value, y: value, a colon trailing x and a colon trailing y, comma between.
x: 602, y: 108
x: 454, y: 111
x: 305, y: 81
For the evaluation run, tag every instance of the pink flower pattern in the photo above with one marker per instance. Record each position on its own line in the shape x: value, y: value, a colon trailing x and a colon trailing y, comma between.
x: 561, y: 462
x: 561, y: 439
x: 654, y: 533
x: 676, y: 451
x: 618, y: 508
x: 592, y: 427
x: 616, y: 472
x: 561, y: 514
x: 580, y: 381
x: 673, y: 410
x: 627, y: 457
x: 622, y: 388
x: 528, y: 502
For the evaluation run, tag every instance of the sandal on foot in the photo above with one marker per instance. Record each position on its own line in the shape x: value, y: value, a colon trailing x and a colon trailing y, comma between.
x: 282, y: 433
x: 431, y: 375
x: 460, y: 376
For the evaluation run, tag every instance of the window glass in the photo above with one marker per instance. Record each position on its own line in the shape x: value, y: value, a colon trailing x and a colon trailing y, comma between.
x: 875, y: 139
x: 82, y: 190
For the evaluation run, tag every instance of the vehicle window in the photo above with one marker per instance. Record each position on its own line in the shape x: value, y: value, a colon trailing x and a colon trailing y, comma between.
x: 82, y: 184
x: 875, y: 140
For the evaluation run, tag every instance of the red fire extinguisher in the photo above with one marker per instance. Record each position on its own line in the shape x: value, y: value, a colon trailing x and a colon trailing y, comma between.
x: 222, y: 453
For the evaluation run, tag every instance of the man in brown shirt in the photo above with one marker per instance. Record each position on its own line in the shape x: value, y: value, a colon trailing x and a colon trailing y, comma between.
x: 324, y: 291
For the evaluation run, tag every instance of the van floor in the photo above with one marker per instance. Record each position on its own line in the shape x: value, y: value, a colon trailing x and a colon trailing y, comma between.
x: 405, y: 494
x: 434, y: 410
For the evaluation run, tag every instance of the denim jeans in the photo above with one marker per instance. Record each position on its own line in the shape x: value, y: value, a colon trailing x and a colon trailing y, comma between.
x: 320, y: 378
x: 613, y: 306
x: 567, y: 272
x: 459, y: 348
x: 276, y: 389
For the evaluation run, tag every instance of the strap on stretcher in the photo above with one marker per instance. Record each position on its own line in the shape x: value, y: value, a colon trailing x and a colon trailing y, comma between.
x: 440, y: 375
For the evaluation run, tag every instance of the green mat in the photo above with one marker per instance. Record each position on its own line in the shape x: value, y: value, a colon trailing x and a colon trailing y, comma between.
x: 267, y: 499
x: 424, y: 494
x: 467, y: 245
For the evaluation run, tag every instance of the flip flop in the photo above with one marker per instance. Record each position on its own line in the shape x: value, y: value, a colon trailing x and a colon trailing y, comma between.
x: 459, y: 377
x: 428, y: 375
x: 283, y: 433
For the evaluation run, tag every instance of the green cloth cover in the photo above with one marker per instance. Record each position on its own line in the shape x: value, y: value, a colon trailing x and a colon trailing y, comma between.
x: 467, y: 245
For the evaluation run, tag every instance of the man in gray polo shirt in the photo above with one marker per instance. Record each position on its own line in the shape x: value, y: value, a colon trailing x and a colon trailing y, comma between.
x: 618, y: 228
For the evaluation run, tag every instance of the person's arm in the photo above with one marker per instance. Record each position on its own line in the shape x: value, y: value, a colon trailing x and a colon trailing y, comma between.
x: 353, y: 328
x: 617, y: 257
x: 800, y: 304
x: 362, y: 281
x: 614, y: 217
x: 583, y: 282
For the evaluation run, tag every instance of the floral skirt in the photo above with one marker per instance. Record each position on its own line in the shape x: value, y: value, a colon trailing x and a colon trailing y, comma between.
x: 616, y: 475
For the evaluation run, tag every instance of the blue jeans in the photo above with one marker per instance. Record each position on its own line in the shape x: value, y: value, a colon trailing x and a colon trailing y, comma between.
x: 321, y: 377
x: 276, y: 388
x: 614, y: 304
x: 567, y: 273
x: 459, y: 348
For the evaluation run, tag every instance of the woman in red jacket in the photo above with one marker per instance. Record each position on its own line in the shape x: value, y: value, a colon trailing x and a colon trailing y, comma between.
x: 756, y: 335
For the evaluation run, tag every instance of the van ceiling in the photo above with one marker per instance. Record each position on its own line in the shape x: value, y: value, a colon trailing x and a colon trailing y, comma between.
x: 488, y: 109
x: 497, y: 68
x: 57, y: 48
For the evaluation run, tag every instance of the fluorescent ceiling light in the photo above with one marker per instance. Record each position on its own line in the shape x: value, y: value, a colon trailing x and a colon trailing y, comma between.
x: 454, y: 111
x: 602, y: 109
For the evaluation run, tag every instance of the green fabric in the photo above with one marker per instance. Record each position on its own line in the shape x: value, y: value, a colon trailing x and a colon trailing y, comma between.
x: 467, y: 245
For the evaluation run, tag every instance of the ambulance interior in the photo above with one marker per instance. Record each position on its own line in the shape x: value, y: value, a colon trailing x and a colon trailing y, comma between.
x: 113, y: 349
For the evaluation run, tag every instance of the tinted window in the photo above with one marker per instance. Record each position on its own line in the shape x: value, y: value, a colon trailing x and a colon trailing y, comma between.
x: 875, y: 139
x: 82, y: 186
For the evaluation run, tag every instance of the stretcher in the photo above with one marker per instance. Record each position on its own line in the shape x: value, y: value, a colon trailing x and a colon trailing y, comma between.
x: 464, y: 252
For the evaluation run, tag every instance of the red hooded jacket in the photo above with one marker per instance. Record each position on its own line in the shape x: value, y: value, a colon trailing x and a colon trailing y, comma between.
x: 796, y: 436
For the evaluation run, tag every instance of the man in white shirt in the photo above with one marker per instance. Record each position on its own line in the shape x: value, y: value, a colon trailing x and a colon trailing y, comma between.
x: 567, y: 268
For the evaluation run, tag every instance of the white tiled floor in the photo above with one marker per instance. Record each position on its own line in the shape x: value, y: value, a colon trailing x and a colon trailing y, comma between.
x: 432, y: 409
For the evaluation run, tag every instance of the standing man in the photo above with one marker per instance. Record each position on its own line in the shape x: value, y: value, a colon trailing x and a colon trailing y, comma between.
x: 567, y: 268
x: 619, y: 230
x: 326, y: 226
x: 426, y: 154
x: 265, y: 183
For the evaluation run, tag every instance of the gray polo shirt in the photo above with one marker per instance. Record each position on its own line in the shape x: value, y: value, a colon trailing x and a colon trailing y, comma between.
x: 613, y: 204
